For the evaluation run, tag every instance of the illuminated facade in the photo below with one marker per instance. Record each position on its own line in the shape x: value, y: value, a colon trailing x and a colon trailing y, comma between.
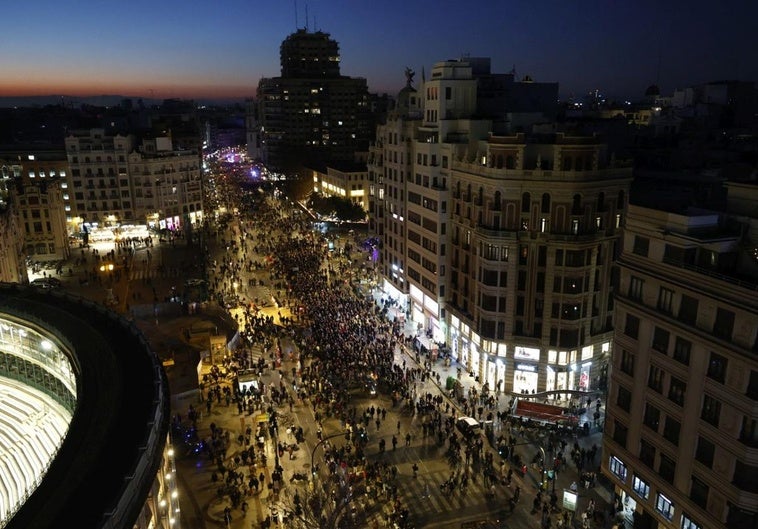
x: 84, y: 418
x: 681, y: 434
x: 344, y: 180
x: 501, y: 246
x: 116, y: 180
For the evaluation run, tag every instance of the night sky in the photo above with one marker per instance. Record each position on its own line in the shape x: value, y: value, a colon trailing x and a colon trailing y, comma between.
x: 204, y: 49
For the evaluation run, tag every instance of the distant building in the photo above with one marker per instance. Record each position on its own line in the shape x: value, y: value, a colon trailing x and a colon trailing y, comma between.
x: 343, y: 180
x: 681, y: 431
x: 311, y: 114
x: 115, y: 180
x: 12, y: 245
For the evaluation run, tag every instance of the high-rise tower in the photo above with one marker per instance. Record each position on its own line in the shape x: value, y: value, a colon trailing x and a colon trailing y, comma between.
x: 311, y: 114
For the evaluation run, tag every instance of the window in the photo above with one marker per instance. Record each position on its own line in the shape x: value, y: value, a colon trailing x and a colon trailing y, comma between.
x: 744, y: 477
x: 665, y: 300
x: 652, y: 417
x: 664, y: 506
x: 627, y: 362
x: 682, y: 349
x: 699, y: 491
x: 623, y: 398
x: 671, y: 430
x: 688, y: 310
x: 640, y: 487
x: 705, y: 451
x: 667, y: 468
x: 632, y: 327
x: 574, y: 226
x: 661, y: 340
x: 724, y: 324
x: 677, y: 389
x: 717, y: 367
x: 545, y: 204
x: 620, y: 432
x: 635, y: 288
x: 687, y: 523
x: 752, y: 386
x: 655, y: 378
x: 525, y: 203
x: 618, y: 468
x: 647, y: 453
x: 641, y: 245
x: 711, y: 410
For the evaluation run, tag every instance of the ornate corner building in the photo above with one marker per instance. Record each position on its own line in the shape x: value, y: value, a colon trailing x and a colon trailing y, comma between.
x: 497, y: 243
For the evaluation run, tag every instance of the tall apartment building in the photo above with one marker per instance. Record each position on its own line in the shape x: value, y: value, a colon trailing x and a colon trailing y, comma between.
x: 311, y: 113
x: 500, y: 246
x: 114, y: 179
x: 681, y: 443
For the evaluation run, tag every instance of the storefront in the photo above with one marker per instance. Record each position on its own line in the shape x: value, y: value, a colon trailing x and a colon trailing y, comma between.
x: 525, y: 378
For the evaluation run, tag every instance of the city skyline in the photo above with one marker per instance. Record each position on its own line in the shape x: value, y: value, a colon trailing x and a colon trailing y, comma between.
x: 195, y: 50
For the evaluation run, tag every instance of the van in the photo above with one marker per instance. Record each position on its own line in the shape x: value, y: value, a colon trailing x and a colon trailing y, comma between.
x: 468, y: 426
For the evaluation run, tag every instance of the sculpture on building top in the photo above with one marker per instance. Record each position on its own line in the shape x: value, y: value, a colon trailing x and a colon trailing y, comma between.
x: 409, y: 73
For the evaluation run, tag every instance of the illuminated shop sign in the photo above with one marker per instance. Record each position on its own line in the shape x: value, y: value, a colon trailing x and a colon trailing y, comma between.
x: 525, y: 367
x: 526, y: 353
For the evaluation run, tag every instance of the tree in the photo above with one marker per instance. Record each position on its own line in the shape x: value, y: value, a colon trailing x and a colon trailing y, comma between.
x: 342, y: 208
x: 333, y: 503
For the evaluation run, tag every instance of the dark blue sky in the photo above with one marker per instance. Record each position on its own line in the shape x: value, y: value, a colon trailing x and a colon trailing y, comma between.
x: 199, y: 48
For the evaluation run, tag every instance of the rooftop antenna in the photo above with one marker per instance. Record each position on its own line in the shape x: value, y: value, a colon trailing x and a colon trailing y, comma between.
x: 306, y: 16
x: 296, y: 28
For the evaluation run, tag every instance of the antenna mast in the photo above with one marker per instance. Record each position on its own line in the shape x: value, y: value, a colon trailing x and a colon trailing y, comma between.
x: 306, y: 16
x: 296, y: 28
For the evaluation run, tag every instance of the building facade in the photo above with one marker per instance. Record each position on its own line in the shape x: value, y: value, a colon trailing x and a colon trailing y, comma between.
x: 681, y: 443
x: 343, y: 180
x: 311, y: 113
x: 116, y: 180
x: 498, y: 247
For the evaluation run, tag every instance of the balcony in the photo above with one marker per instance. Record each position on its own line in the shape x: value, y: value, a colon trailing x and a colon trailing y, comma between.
x: 742, y: 282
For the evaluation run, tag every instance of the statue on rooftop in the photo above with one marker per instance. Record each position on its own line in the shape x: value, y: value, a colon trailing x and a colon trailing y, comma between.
x: 409, y: 73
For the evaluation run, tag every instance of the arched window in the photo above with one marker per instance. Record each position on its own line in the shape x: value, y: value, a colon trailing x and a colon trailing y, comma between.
x: 510, y: 162
x: 578, y: 163
x: 525, y: 203
x: 497, y: 203
x: 499, y: 161
x: 601, y: 201
x: 576, y: 206
x: 480, y: 198
x: 545, y: 203
x: 621, y: 200
x: 468, y: 193
x: 458, y: 189
x: 567, y: 163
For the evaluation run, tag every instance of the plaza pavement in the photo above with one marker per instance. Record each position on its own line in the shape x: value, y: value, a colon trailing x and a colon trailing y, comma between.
x: 180, y: 338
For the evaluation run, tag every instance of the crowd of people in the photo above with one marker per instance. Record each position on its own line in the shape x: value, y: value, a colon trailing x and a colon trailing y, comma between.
x: 344, y: 346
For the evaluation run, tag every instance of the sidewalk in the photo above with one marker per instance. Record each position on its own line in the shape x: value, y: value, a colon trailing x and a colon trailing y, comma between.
x: 601, y: 492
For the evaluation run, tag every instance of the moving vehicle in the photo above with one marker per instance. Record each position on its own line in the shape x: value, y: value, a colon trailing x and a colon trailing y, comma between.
x: 468, y: 426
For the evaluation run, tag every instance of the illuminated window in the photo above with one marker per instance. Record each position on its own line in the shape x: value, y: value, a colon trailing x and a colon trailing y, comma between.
x: 664, y: 506
x: 640, y: 487
x: 617, y: 467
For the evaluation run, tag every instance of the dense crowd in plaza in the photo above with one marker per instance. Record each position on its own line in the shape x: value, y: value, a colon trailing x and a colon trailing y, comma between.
x: 345, y: 347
